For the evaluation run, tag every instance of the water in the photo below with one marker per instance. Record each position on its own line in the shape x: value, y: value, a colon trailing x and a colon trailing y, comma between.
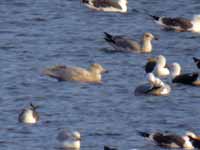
x: 37, y: 34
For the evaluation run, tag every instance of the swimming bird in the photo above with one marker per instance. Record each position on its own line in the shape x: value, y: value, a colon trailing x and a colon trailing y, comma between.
x: 65, y: 73
x: 179, y: 24
x: 187, y: 78
x: 155, y: 87
x: 126, y: 44
x: 197, y: 62
x: 168, y: 140
x: 29, y: 115
x: 194, y: 139
x: 161, y: 70
x: 109, y: 148
x: 69, y: 140
x: 157, y: 65
x: 107, y: 5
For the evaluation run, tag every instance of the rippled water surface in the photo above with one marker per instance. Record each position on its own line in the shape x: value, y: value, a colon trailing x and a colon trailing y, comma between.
x: 35, y: 34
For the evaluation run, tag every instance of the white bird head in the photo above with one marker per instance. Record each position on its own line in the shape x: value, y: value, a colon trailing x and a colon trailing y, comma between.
x: 97, y: 68
x: 161, y: 61
x: 148, y: 36
x: 76, y: 135
x: 175, y: 69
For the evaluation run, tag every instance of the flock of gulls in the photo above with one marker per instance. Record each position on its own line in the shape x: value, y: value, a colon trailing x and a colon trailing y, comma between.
x: 156, y: 70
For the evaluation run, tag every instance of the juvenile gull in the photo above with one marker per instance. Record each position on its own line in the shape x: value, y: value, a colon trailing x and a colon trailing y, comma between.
x: 187, y: 78
x: 65, y: 73
x: 107, y: 5
x: 168, y: 140
x: 29, y: 115
x: 126, y: 44
x: 69, y: 140
x: 179, y: 24
x: 155, y: 87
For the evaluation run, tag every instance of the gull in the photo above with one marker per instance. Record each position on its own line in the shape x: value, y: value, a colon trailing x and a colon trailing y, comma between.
x: 194, y: 139
x: 107, y: 5
x: 158, y: 65
x: 66, y: 73
x: 178, y: 24
x: 155, y: 87
x: 69, y: 140
x: 126, y: 44
x: 168, y: 140
x: 186, y: 78
x: 29, y: 115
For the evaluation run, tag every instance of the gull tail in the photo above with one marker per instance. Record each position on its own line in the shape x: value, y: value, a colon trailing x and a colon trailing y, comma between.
x: 154, y: 17
x: 144, y: 134
x: 196, y: 59
x: 34, y: 107
x: 144, y: 11
x: 109, y: 148
x: 108, y: 37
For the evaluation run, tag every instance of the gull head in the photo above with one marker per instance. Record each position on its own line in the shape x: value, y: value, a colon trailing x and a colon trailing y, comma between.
x: 149, y: 36
x: 175, y: 69
x: 97, y: 68
x: 76, y: 135
x: 161, y: 60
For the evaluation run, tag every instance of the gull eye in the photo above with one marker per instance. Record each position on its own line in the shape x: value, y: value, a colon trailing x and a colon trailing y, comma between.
x: 147, y: 35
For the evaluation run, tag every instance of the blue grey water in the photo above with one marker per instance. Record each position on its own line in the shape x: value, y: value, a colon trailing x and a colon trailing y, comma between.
x: 35, y: 34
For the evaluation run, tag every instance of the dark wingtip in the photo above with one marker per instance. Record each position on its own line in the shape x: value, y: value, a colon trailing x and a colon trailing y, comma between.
x: 196, y: 59
x: 108, y: 35
x: 154, y: 17
x: 109, y: 148
x: 33, y: 106
x: 143, y: 134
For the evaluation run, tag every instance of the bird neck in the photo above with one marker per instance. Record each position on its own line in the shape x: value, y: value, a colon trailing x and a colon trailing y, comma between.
x: 96, y: 75
x: 146, y: 46
x: 77, y: 144
x: 154, y: 81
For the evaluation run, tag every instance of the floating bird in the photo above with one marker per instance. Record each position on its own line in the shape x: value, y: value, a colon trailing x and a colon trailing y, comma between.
x: 69, y: 140
x: 126, y: 44
x: 107, y: 5
x: 179, y: 24
x: 109, y: 148
x: 161, y: 70
x: 187, y: 78
x: 157, y: 65
x: 65, y: 73
x: 197, y: 62
x: 155, y: 87
x: 29, y: 115
x: 168, y: 140
x: 194, y: 139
